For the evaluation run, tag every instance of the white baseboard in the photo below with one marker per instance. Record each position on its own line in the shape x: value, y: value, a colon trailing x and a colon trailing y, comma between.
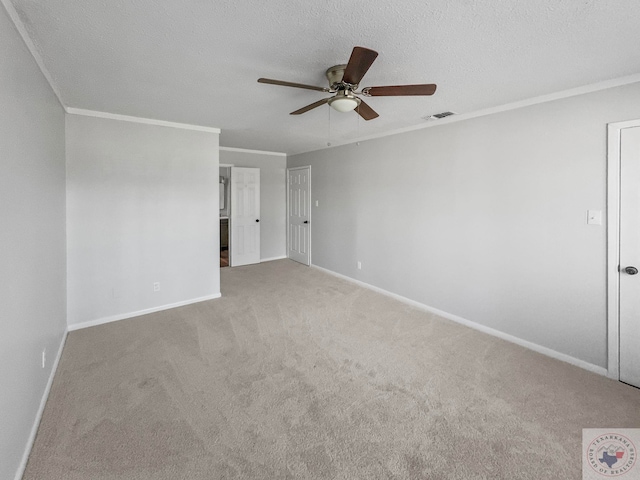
x: 123, y: 316
x: 54, y: 368
x: 476, y: 326
x: 43, y: 402
x: 270, y: 259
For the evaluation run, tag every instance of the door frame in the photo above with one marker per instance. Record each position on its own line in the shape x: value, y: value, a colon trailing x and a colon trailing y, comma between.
x: 310, y: 209
x: 614, y: 131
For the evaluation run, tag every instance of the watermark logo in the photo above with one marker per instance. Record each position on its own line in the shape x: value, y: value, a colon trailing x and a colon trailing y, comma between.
x: 610, y: 453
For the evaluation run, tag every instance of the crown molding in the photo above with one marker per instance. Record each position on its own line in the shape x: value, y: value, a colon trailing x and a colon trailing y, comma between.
x: 147, y: 121
x: 22, y: 31
x: 246, y: 150
x: 573, y: 92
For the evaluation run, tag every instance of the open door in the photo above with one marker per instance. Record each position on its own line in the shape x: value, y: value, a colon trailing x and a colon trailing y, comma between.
x: 245, y: 216
x: 629, y: 263
x: 299, y: 214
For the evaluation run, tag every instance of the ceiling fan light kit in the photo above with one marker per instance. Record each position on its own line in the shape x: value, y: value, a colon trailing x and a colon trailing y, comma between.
x: 344, y: 81
x: 344, y: 101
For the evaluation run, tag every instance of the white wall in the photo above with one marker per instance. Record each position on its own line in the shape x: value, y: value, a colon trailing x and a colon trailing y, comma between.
x: 273, y: 194
x: 142, y: 207
x: 32, y: 241
x: 484, y: 218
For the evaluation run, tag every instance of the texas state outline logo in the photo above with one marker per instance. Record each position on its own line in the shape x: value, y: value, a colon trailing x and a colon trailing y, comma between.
x: 608, y: 453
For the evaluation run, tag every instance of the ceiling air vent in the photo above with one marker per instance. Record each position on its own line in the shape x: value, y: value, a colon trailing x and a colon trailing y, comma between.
x: 438, y: 116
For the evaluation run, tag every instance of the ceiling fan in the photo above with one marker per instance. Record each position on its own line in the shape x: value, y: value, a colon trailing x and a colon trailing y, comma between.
x: 344, y: 81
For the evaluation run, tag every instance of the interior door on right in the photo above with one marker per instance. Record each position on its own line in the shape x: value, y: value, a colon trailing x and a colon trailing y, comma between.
x: 630, y: 256
x: 299, y: 214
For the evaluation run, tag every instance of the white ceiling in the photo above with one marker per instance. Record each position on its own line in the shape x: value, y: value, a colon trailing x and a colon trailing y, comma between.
x: 197, y: 61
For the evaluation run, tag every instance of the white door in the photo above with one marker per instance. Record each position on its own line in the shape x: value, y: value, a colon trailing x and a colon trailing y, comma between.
x: 630, y: 256
x: 245, y: 216
x: 299, y: 214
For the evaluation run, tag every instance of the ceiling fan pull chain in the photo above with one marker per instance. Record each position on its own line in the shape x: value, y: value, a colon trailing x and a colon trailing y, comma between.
x: 329, y: 128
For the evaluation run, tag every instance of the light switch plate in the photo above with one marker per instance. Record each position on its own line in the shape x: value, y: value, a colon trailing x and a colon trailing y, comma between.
x: 594, y: 217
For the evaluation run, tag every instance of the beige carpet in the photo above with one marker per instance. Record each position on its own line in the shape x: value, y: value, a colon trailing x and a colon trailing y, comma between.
x: 295, y: 374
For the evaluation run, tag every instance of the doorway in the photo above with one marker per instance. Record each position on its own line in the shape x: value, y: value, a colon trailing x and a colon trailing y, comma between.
x: 225, y: 197
x: 623, y: 251
x: 299, y: 214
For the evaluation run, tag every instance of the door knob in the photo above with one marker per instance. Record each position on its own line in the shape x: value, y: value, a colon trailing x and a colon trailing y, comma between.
x: 306, y: 221
x: 257, y: 219
x: 631, y: 270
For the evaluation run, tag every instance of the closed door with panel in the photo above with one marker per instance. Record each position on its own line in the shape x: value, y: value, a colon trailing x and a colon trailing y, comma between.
x: 299, y: 214
x: 245, y: 216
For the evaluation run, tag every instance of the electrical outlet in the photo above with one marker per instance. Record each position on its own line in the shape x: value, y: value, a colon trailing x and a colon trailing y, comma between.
x: 44, y: 358
x: 317, y: 203
x: 156, y: 287
x: 359, y: 265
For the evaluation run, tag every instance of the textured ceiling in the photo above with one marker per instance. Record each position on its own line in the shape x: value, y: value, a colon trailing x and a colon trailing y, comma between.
x: 197, y: 61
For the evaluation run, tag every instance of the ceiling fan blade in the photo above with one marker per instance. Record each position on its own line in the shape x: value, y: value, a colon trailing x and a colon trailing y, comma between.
x: 365, y: 111
x: 399, y: 90
x: 310, y: 107
x: 291, y: 84
x: 360, y: 61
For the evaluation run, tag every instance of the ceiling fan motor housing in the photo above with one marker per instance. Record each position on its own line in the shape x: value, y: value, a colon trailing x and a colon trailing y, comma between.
x: 334, y: 75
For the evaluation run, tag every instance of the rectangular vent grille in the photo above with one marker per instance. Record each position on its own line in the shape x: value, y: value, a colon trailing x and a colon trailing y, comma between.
x: 438, y: 116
